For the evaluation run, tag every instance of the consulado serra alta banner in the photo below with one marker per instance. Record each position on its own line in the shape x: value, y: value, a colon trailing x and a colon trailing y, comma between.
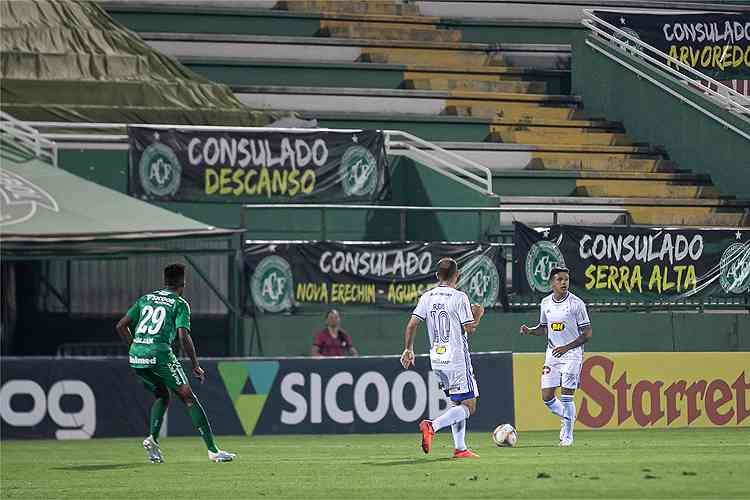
x: 634, y: 263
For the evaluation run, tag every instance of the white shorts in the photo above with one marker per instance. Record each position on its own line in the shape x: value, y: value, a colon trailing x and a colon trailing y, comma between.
x: 458, y: 385
x: 565, y: 372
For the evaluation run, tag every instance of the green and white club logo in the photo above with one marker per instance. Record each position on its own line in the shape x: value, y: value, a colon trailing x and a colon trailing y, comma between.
x: 480, y: 280
x: 358, y: 171
x: 542, y: 257
x: 735, y: 268
x: 272, y: 285
x: 159, y: 170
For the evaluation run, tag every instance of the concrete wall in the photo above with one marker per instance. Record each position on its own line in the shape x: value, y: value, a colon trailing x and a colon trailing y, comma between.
x: 381, y: 332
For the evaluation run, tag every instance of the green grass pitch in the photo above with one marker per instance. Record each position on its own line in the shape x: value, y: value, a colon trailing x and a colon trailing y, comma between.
x: 683, y: 463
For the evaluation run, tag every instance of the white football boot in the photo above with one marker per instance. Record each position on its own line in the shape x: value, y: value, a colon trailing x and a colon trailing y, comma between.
x: 153, y: 451
x: 221, y: 456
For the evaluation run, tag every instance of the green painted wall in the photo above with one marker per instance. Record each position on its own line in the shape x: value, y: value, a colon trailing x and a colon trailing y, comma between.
x: 697, y: 142
x: 487, y: 31
x: 381, y: 332
x: 362, y: 75
x: 412, y: 184
x: 279, y: 23
x: 248, y: 23
x: 323, y: 74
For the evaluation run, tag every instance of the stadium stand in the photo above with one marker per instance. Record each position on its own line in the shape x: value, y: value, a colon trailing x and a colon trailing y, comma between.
x: 385, y: 65
x: 500, y: 87
x: 68, y: 61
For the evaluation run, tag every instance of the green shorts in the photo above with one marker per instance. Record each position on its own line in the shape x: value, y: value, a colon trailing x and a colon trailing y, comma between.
x: 168, y: 374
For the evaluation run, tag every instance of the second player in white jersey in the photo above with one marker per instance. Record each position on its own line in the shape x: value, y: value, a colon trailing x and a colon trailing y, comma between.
x: 450, y: 318
x: 563, y: 319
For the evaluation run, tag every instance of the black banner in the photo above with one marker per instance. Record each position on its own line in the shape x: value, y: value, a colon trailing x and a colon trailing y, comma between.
x: 636, y: 264
x: 235, y: 166
x: 716, y: 44
x: 283, y: 276
x: 81, y: 399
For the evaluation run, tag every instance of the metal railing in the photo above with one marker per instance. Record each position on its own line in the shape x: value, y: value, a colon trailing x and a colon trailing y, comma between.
x: 724, y: 96
x: 397, y: 142
x: 403, y: 211
x: 448, y: 163
x: 26, y: 137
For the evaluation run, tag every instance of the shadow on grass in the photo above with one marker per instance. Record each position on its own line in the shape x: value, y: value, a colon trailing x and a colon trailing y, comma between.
x: 413, y: 461
x: 98, y: 467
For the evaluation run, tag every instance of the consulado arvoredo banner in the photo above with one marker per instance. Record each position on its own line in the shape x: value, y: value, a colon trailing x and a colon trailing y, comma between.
x: 635, y: 390
x: 635, y: 263
x: 716, y: 44
x: 283, y: 276
x: 81, y: 399
x: 241, y: 166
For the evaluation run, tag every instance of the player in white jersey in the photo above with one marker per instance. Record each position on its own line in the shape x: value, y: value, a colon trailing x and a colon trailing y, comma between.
x: 449, y: 319
x: 565, y: 322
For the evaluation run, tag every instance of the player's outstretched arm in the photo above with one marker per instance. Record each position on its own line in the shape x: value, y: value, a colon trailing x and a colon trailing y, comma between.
x: 189, y: 348
x: 538, y: 330
x: 477, y: 311
x: 123, y: 329
x: 407, y: 357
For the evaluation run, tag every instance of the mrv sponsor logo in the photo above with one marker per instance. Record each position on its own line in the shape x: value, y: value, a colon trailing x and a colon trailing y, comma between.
x: 24, y: 403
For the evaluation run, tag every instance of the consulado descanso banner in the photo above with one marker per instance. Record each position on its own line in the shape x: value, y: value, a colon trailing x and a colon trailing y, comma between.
x: 283, y: 276
x: 716, y: 44
x: 636, y: 390
x: 631, y: 263
x: 81, y: 399
x: 246, y: 166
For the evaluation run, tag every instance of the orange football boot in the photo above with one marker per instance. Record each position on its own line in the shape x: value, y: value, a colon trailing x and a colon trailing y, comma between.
x: 425, y: 427
x: 467, y: 453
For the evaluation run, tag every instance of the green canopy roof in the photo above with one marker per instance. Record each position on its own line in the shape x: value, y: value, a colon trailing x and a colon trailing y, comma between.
x: 45, y: 207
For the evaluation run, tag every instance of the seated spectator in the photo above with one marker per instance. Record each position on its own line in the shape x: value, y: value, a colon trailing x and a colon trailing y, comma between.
x: 332, y: 340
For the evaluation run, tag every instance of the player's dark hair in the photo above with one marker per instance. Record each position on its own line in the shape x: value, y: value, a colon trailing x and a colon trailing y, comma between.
x: 174, y: 275
x: 329, y: 312
x: 447, y: 268
x: 556, y: 270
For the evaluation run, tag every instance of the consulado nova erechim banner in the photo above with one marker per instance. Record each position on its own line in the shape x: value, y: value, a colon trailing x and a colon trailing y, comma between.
x: 716, y: 44
x: 284, y: 276
x: 241, y: 166
x: 634, y: 263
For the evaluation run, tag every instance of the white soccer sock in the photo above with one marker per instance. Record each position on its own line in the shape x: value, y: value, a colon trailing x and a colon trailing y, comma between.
x: 459, y: 435
x: 569, y: 414
x: 450, y: 417
x: 555, y: 406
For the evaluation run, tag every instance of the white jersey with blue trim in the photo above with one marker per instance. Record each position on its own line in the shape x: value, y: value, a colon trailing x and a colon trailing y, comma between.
x: 564, y: 320
x: 446, y: 311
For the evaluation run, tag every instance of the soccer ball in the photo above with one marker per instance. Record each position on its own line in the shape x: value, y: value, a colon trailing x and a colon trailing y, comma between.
x: 505, y: 435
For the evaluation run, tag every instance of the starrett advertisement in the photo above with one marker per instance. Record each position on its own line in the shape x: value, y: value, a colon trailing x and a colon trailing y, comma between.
x: 644, y: 389
x: 256, y: 166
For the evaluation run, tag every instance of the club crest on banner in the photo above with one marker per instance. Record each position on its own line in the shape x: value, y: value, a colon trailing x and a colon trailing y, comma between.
x: 542, y: 257
x: 160, y: 170
x: 272, y: 284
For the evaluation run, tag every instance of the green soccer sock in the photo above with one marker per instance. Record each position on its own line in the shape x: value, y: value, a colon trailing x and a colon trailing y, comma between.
x: 200, y: 422
x: 158, y: 409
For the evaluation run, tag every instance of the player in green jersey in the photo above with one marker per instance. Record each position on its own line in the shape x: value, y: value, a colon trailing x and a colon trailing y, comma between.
x: 158, y: 317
